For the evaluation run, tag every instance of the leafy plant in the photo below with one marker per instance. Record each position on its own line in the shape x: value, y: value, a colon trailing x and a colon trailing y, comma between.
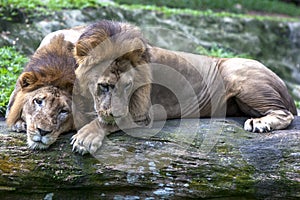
x: 18, y: 10
x: 220, y: 52
x: 69, y: 4
x: 297, y: 104
x: 11, y: 65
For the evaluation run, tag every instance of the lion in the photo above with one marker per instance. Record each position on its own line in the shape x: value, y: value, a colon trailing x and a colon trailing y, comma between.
x: 121, y: 77
x: 41, y: 104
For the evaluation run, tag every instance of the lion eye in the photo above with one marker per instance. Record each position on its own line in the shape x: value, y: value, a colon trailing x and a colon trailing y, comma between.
x: 128, y: 85
x: 38, y: 102
x: 64, y: 111
x: 103, y: 87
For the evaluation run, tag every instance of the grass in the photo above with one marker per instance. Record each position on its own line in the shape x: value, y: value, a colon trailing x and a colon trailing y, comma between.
x: 11, y: 63
x: 219, y: 52
x: 235, y: 6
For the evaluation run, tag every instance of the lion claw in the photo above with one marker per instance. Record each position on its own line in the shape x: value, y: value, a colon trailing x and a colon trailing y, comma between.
x: 257, y: 126
x: 86, y: 141
x: 77, y: 146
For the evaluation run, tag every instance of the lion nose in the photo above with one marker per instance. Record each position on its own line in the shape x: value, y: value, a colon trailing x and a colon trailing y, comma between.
x: 116, y: 115
x: 43, y: 132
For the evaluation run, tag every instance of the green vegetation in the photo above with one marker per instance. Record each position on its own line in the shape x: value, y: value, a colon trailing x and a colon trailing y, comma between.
x: 11, y: 65
x: 16, y: 10
x: 297, y: 104
x: 236, y: 6
x: 179, y: 11
x: 221, y: 52
x: 13, y: 10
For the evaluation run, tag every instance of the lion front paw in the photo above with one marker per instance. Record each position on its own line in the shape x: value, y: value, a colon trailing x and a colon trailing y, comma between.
x: 257, y: 126
x: 19, y: 126
x: 88, y: 139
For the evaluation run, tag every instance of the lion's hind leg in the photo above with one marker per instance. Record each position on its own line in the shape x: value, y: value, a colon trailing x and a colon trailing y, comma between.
x: 273, y: 120
x: 259, y: 93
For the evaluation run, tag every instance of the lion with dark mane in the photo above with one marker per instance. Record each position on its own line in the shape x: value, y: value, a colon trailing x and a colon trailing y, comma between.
x: 41, y: 103
x: 120, y: 76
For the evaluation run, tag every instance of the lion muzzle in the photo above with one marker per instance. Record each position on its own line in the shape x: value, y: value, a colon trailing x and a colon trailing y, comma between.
x: 43, y: 132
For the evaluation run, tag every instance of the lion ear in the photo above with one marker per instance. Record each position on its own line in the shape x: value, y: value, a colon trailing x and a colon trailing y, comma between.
x: 26, y: 79
x: 139, y: 53
x: 83, y: 47
x: 81, y: 50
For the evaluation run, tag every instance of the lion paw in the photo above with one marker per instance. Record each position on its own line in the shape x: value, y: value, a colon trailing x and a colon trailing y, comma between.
x: 87, y: 140
x: 19, y: 126
x: 257, y: 126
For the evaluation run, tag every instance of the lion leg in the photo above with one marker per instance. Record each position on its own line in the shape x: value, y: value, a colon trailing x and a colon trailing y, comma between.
x: 267, y: 114
x: 89, y: 138
x: 19, y: 126
x: 268, y: 109
x: 274, y: 120
x: 259, y: 93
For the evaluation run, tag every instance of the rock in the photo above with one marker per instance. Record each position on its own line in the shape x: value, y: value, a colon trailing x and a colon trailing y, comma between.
x: 207, y: 158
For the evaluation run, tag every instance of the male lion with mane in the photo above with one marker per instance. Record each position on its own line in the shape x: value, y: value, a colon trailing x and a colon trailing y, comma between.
x: 41, y: 101
x: 120, y: 76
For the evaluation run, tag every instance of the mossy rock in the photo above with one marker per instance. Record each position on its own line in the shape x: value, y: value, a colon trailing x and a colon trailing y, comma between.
x: 207, y: 158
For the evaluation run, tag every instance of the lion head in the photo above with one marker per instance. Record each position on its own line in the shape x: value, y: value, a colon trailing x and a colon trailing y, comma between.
x: 113, y: 71
x: 42, y: 99
x: 47, y: 113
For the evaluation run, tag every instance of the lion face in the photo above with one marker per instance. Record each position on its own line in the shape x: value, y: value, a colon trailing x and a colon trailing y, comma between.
x: 113, y: 70
x: 47, y: 113
x: 112, y: 92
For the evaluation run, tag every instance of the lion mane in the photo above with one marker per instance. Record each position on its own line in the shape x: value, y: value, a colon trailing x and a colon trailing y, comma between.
x: 116, y: 42
x: 41, y: 101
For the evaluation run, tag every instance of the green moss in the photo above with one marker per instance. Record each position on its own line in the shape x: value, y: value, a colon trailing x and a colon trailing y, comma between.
x: 5, y: 188
x: 236, y: 180
x: 9, y: 166
x: 16, y: 142
x: 6, y: 166
x: 223, y: 149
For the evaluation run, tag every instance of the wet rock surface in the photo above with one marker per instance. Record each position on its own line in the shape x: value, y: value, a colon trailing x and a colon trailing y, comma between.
x: 207, y: 158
